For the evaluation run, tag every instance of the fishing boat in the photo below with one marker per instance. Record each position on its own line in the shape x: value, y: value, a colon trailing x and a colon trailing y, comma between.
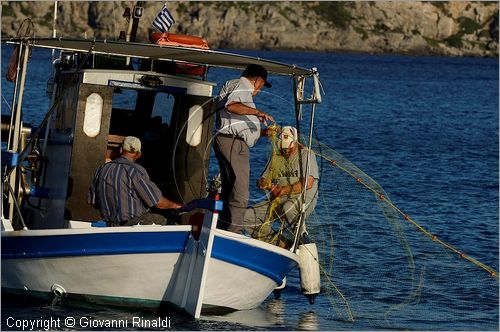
x: 55, y: 245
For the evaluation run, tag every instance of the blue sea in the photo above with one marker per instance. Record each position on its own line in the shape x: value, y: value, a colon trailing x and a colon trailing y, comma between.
x: 425, y: 129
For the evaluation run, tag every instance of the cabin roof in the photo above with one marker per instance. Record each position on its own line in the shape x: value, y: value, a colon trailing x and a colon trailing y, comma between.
x: 162, y: 52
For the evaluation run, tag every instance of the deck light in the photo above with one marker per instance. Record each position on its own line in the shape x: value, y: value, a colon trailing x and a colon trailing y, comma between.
x: 93, y: 114
x: 137, y: 11
x: 195, y: 125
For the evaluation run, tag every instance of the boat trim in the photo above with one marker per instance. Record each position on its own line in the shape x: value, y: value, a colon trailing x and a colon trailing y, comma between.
x: 241, y: 254
x: 93, y: 244
x: 228, y: 247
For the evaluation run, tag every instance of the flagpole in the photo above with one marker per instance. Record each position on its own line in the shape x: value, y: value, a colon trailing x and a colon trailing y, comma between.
x: 54, y: 31
x: 54, y: 84
x: 133, y: 24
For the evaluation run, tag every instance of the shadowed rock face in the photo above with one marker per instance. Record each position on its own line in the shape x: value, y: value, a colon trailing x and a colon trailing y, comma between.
x: 455, y: 28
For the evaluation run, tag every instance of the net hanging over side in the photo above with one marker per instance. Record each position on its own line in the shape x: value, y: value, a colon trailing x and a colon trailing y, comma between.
x: 379, y: 264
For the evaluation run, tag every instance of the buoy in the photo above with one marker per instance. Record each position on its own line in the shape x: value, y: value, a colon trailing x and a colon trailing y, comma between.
x: 310, y: 283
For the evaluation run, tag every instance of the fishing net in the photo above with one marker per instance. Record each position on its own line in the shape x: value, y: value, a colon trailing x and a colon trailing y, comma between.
x: 277, y: 216
x: 381, y: 267
x: 380, y: 264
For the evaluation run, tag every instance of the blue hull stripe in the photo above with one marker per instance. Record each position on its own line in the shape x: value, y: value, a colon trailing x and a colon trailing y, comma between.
x: 265, y: 262
x: 93, y: 244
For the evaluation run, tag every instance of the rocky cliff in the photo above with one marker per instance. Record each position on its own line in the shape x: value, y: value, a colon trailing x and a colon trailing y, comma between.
x: 445, y: 28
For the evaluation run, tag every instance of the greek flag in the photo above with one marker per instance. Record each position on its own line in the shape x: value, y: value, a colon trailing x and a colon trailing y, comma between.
x: 163, y: 20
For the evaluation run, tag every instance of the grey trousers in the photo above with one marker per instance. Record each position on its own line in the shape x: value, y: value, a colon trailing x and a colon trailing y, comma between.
x: 234, y: 163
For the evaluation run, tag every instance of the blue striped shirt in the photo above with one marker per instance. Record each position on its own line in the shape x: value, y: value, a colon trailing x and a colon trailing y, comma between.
x: 122, y: 190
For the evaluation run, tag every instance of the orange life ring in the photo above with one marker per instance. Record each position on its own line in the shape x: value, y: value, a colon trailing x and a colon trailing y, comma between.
x: 173, y: 39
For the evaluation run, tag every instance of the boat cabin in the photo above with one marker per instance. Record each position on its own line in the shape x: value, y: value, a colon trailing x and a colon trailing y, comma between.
x: 96, y: 108
x: 103, y: 91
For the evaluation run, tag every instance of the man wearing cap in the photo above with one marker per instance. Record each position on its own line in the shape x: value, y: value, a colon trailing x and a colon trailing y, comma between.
x: 284, y: 177
x: 239, y: 128
x: 123, y: 192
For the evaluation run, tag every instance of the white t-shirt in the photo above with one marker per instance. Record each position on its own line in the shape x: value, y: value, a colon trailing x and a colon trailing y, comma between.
x: 246, y: 127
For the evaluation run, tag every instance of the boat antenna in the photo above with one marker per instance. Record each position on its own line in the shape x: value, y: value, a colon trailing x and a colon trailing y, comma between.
x: 133, y: 23
x: 54, y: 25
x: 52, y: 97
x: 133, y: 20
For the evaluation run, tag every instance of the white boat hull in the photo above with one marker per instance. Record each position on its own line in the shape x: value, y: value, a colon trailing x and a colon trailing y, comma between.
x: 135, y: 279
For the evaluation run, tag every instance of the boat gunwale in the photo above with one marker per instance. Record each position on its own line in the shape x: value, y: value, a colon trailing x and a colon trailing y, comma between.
x: 148, y: 229
x: 97, y: 230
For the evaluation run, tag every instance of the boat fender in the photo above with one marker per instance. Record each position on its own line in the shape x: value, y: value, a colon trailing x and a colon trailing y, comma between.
x: 310, y: 281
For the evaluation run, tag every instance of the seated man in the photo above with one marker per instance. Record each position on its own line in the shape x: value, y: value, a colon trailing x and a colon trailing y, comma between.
x: 123, y: 192
x: 284, y: 178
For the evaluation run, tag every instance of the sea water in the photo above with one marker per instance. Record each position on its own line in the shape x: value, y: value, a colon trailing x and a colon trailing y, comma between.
x: 425, y: 128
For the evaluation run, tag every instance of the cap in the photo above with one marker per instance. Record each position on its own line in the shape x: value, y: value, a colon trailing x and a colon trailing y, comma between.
x: 288, y: 136
x: 131, y: 144
x: 257, y: 71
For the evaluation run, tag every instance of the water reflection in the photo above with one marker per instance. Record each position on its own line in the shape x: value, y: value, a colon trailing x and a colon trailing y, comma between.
x: 276, y: 311
x: 308, y: 321
x: 269, y: 314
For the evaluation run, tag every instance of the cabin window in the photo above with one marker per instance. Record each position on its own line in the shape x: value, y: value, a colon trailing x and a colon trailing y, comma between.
x: 145, y: 114
x: 123, y: 118
x: 163, y: 106
x: 124, y: 99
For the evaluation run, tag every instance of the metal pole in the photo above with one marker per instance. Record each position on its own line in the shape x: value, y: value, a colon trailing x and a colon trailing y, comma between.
x: 135, y: 20
x: 298, y: 114
x: 54, y: 86
x: 17, y: 208
x: 315, y: 98
x: 17, y: 128
x: 17, y: 124
x: 54, y: 24
x: 306, y: 179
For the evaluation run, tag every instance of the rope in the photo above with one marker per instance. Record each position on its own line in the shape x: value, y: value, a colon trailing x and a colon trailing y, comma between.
x: 274, y: 204
x: 5, y: 100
